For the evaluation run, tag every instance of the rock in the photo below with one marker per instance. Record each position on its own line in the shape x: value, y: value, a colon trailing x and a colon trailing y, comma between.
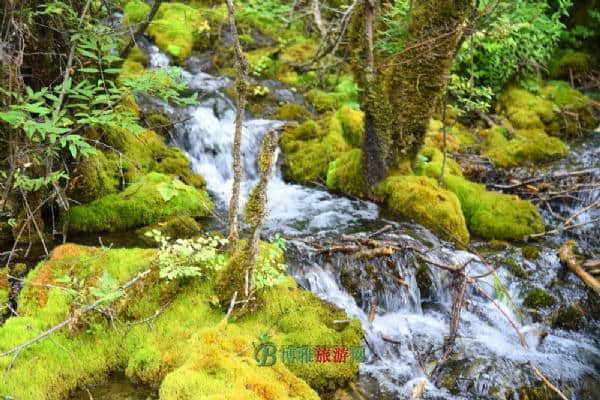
x: 568, y: 316
x: 538, y: 298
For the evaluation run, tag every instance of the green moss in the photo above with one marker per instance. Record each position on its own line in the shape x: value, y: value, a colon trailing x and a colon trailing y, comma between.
x: 135, y: 11
x: 489, y: 215
x: 525, y: 110
x: 420, y: 199
x: 186, y: 350
x: 538, y: 298
x: 515, y: 268
x: 292, y: 112
x: 6, y: 234
x: 177, y: 28
x: 530, y: 252
x: 96, y: 176
x: 158, y: 122
x: 324, y: 101
x: 299, y: 53
x: 307, y: 161
x: 569, y: 63
x: 457, y: 136
x: 576, y: 110
x: 345, y: 174
x: 131, y: 69
x: 138, y: 55
x: 528, y: 147
x: 151, y: 198
x: 353, y: 127
x: 176, y: 228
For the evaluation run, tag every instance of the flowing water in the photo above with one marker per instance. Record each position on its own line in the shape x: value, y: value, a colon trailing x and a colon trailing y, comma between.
x: 404, y: 322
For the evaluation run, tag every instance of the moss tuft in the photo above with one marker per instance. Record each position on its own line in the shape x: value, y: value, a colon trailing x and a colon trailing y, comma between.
x: 96, y: 176
x: 153, y: 197
x: 324, y: 101
x: 538, y: 298
x: 353, y: 127
x: 569, y: 63
x: 292, y: 112
x: 345, y: 174
x: 420, y: 199
x: 135, y: 11
x: 530, y: 252
x: 515, y: 268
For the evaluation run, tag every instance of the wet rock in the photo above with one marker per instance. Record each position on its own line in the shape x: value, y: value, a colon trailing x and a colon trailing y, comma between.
x: 568, y: 316
x: 516, y: 268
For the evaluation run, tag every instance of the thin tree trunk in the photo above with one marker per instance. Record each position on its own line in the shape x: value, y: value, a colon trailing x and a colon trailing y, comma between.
x: 142, y: 28
x: 241, y: 90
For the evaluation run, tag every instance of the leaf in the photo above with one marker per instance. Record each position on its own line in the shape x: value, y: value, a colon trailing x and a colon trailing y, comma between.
x: 73, y: 150
x: 13, y: 118
x: 166, y: 192
x: 89, y: 70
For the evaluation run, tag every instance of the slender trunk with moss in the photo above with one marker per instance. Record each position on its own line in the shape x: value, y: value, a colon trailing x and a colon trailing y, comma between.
x: 239, y: 272
x: 241, y: 90
x: 400, y: 90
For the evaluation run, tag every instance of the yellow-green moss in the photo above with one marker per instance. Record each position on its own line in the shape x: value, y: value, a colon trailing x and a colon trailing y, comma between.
x: 353, y: 128
x: 186, y: 350
x: 324, y: 101
x: 180, y: 227
x: 307, y: 161
x: 177, y: 28
x: 576, y: 110
x: 96, y: 176
x: 345, y: 174
x: 489, y: 215
x: 530, y: 252
x: 457, y: 136
x: 292, y: 112
x: 527, y: 147
x: 515, y: 268
x: 538, y: 298
x: 135, y: 11
x: 420, y: 199
x: 299, y: 53
x: 525, y: 110
x: 151, y: 198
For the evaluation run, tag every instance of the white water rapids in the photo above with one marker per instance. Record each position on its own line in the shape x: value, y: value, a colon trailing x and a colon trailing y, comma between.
x: 489, y: 359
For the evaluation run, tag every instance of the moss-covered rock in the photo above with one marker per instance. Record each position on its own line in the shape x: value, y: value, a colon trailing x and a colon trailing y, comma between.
x: 568, y: 316
x: 575, y: 109
x: 180, y: 227
x: 420, y: 199
x: 353, y: 128
x: 515, y: 268
x: 176, y: 28
x: 307, y: 161
x: 188, y: 350
x: 151, y: 198
x: 489, y: 215
x: 345, y: 174
x: 530, y: 252
x: 527, y: 146
x: 292, y: 112
x: 97, y: 175
x: 569, y: 63
x: 324, y: 101
x: 538, y: 298
x: 457, y: 136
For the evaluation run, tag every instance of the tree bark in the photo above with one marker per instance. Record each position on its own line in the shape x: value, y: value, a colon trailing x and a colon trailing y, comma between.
x: 400, y: 90
x: 241, y: 90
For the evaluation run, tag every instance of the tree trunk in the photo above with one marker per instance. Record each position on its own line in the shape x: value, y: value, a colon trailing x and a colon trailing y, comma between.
x: 400, y: 90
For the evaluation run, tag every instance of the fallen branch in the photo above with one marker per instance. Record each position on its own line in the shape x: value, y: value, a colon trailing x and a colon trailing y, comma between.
x: 567, y: 257
x: 547, y: 382
x: 542, y: 178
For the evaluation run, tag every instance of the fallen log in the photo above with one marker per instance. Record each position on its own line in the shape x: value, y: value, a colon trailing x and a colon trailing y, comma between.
x: 567, y: 257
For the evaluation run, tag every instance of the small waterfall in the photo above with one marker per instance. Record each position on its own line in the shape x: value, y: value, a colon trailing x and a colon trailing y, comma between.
x: 406, y: 323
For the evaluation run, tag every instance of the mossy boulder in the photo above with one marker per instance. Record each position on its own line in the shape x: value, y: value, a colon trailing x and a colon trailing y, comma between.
x: 292, y: 112
x: 458, y: 137
x: 570, y: 64
x: 309, y: 148
x: 180, y: 227
x: 538, y: 298
x: 420, y: 199
x: 151, y: 198
x: 526, y: 146
x: 345, y: 174
x: 324, y: 101
x: 176, y: 28
x: 353, y: 128
x: 575, y: 108
x: 187, y: 350
x: 489, y: 215
x: 96, y: 176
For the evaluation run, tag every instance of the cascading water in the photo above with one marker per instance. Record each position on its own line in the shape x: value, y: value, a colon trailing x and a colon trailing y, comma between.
x: 407, y: 322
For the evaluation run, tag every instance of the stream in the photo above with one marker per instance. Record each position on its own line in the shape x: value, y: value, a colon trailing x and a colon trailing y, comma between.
x: 407, y: 322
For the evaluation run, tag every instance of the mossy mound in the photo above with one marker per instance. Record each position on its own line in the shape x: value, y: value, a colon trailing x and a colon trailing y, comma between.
x: 489, y: 215
x: 557, y: 109
x: 353, y: 128
x: 151, y: 198
x: 457, y: 136
x: 180, y: 227
x: 345, y: 174
x: 538, y: 298
x: 530, y: 252
x: 309, y: 148
x: 569, y: 63
x: 187, y: 350
x: 176, y: 28
x: 292, y: 112
x: 420, y: 199
x: 324, y: 101
x: 96, y: 176
x: 527, y: 146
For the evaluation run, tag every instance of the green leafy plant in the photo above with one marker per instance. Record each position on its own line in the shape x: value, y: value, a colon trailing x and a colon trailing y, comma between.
x: 270, y: 269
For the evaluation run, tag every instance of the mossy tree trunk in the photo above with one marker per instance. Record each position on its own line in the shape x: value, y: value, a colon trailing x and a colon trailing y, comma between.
x: 400, y: 90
